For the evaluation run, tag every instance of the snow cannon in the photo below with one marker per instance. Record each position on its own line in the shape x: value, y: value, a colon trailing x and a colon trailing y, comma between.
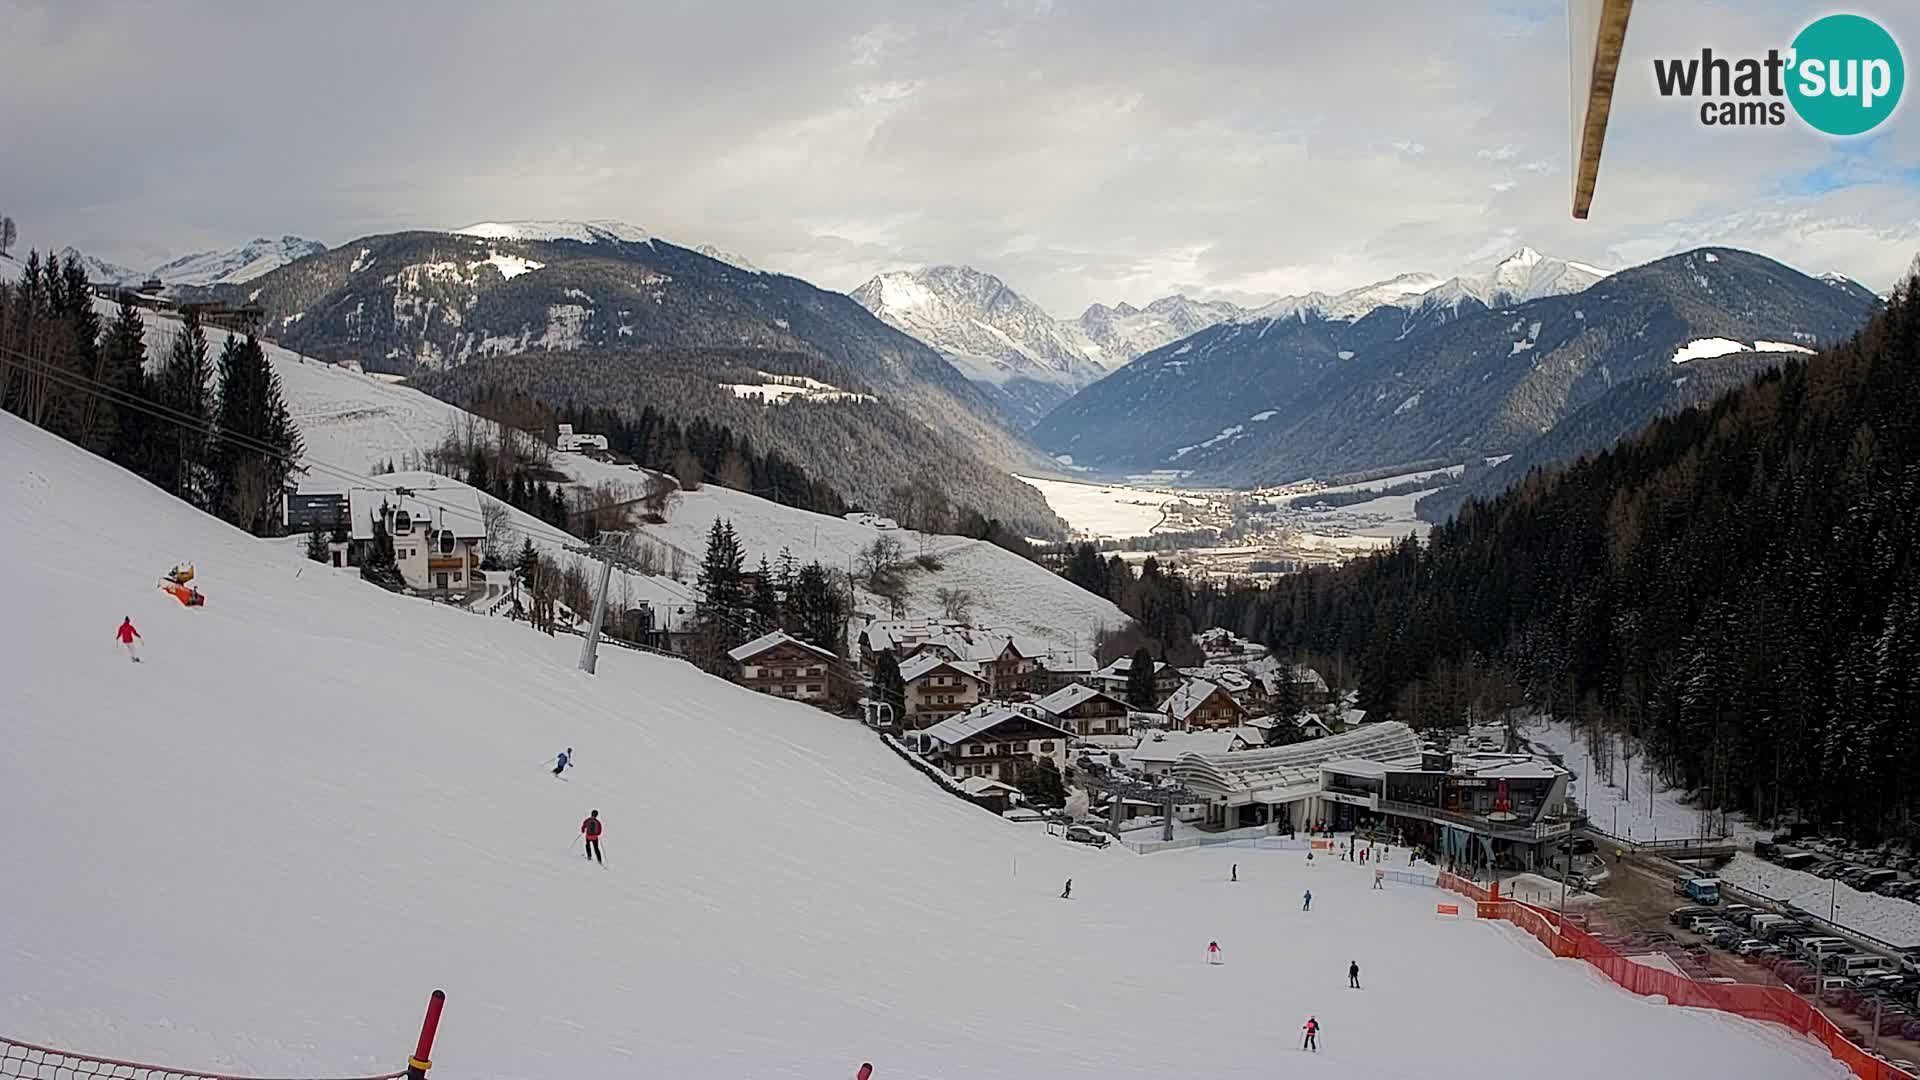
x: 186, y: 594
x: 181, y: 573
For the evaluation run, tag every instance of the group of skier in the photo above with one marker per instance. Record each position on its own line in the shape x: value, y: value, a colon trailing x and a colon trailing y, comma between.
x: 591, y: 828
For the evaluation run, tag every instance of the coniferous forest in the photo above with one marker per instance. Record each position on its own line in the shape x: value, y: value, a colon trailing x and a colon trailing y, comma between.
x: 1737, y: 588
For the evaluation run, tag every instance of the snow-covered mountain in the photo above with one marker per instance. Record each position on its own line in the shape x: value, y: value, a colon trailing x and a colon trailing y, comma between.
x: 235, y: 265
x: 738, y: 262
x: 102, y: 272
x: 1393, y: 375
x: 585, y: 232
x: 1114, y: 336
x: 1522, y: 276
x: 996, y: 337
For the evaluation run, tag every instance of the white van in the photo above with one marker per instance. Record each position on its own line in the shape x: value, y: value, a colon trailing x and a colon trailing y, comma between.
x: 1854, y: 966
x: 1818, y: 949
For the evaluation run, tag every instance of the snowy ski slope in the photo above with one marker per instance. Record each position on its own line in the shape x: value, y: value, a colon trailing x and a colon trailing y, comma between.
x: 257, y: 850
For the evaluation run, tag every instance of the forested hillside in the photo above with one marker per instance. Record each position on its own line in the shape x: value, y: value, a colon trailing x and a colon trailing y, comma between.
x: 1738, y: 586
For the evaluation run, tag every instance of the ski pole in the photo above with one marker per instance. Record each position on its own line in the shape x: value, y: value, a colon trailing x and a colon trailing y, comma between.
x: 575, y: 840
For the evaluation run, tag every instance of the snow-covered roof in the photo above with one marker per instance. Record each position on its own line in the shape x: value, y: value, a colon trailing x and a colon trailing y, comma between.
x: 982, y: 785
x: 1357, y: 767
x: 1354, y: 717
x: 1297, y: 766
x: 924, y: 663
x: 957, y: 729
x: 1171, y: 746
x: 1192, y: 694
x: 1252, y: 736
x: 1514, y: 770
x: 444, y: 503
x: 1072, y: 695
x: 1232, y: 680
x: 751, y: 649
x: 1108, y: 742
x: 1123, y: 666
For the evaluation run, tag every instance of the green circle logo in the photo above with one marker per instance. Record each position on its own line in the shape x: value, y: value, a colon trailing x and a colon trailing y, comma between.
x: 1847, y: 75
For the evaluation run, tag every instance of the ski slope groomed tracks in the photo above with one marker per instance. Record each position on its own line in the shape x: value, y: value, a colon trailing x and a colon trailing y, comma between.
x: 257, y: 851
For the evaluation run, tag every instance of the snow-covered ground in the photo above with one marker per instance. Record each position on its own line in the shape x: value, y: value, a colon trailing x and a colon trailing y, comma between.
x: 1104, y: 511
x: 1009, y: 593
x: 257, y: 851
x: 1610, y: 809
x: 1895, y: 921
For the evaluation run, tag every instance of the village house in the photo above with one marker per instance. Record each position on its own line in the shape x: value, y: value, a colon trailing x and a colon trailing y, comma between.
x: 1113, y: 678
x: 784, y: 666
x: 938, y: 688
x: 1202, y: 704
x: 1085, y: 711
x: 994, y: 742
x: 435, y: 526
x: 570, y: 442
x: 1009, y: 671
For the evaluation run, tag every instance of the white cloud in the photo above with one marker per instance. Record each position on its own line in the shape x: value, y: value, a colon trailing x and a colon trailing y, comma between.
x: 1107, y: 152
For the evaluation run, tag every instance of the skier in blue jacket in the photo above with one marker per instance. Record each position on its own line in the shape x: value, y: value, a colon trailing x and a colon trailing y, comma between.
x: 565, y: 759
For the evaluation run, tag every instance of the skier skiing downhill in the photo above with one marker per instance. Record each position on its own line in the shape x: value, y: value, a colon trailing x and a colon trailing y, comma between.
x: 1353, y: 974
x: 1306, y: 900
x: 126, y: 635
x: 590, y: 828
x: 865, y: 1073
x: 566, y: 758
x: 1213, y: 952
x: 1312, y: 1041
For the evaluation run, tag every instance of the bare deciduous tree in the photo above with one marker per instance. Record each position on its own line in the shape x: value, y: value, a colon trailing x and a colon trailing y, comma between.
x: 8, y: 234
x: 955, y: 604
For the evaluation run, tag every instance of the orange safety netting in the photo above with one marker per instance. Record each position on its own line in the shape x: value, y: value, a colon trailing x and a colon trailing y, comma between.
x: 1773, y: 1004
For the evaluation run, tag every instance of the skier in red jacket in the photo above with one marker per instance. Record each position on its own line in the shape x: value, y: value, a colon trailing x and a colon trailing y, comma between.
x: 126, y: 634
x: 590, y: 828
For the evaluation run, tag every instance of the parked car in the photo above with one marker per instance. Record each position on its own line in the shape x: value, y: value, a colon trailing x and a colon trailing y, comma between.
x: 1771, y: 957
x: 1873, y: 879
x: 1798, y: 860
x: 1748, y: 946
x: 1728, y: 937
x: 1787, y: 970
x: 1894, y: 1021
x: 1905, y: 1066
x: 1829, y: 869
x: 1833, y: 988
x: 1706, y: 925
x: 1740, y: 915
x: 1869, y: 1002
x: 1081, y: 834
x: 1680, y: 916
x: 1910, y: 962
x: 1911, y: 1031
x: 1803, y: 981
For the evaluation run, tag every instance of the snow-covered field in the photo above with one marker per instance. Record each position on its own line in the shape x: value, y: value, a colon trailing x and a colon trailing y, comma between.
x: 1890, y: 920
x: 1104, y: 511
x: 1609, y: 808
x: 313, y: 802
x: 1008, y: 592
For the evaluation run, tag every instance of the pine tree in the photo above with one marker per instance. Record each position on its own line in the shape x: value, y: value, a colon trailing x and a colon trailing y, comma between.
x: 258, y: 442
x: 888, y: 686
x: 762, y: 603
x: 183, y: 454
x: 317, y: 546
x: 721, y: 617
x: 817, y: 611
x: 1140, y: 691
x: 125, y: 353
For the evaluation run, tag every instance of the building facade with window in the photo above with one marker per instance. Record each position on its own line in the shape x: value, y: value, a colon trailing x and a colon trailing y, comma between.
x: 938, y: 688
x: 436, y: 527
x: 994, y: 742
x: 784, y: 666
x: 1085, y: 711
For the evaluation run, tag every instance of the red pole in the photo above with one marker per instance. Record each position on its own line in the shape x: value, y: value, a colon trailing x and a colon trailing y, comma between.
x: 422, y: 1059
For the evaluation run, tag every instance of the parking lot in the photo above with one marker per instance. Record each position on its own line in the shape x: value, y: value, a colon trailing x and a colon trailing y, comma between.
x: 1634, y: 916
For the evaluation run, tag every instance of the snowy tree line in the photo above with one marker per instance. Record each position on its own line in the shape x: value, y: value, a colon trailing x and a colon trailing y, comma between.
x: 1736, y: 590
x: 737, y: 605
x: 213, y: 431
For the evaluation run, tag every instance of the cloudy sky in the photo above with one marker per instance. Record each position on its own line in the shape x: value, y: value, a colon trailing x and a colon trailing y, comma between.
x: 1101, y: 150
